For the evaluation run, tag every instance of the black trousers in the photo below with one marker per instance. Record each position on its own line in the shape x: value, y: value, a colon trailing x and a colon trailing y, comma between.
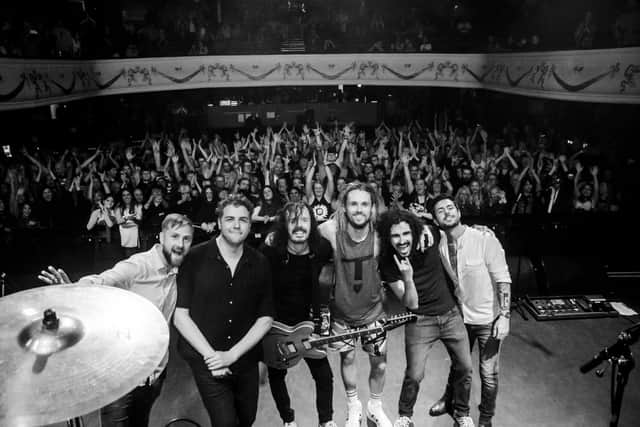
x: 230, y: 401
x: 321, y: 373
x: 133, y: 409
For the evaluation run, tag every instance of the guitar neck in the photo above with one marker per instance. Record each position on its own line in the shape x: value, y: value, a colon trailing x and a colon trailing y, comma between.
x: 390, y: 324
x: 317, y: 342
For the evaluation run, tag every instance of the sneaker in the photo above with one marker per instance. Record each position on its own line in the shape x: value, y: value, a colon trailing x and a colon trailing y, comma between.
x: 403, y: 422
x: 463, y: 422
x: 291, y: 424
x: 329, y: 424
x: 376, y: 416
x: 354, y: 414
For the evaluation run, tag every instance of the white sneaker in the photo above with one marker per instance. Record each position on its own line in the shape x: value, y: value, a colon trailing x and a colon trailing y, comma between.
x: 403, y: 422
x: 463, y: 422
x: 291, y: 424
x: 329, y: 424
x: 354, y: 414
x: 376, y: 416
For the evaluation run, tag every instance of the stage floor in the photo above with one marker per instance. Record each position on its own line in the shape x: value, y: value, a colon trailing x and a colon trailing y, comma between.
x: 540, y: 384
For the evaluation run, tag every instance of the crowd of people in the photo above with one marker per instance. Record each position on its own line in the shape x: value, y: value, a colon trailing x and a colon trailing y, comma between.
x: 120, y: 193
x: 201, y: 28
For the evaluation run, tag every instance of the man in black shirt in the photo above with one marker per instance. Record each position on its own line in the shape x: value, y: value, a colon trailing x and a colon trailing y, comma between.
x: 297, y: 253
x: 153, y: 213
x: 418, y: 279
x: 224, y: 309
x: 185, y: 204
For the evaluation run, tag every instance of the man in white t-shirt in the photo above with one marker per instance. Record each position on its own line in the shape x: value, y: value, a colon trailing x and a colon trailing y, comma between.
x: 476, y: 263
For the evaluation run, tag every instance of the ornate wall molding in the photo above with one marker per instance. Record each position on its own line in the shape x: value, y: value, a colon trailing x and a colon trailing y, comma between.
x: 610, y: 75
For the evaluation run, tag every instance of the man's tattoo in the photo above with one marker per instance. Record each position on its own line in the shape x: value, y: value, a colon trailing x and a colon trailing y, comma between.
x: 504, y: 296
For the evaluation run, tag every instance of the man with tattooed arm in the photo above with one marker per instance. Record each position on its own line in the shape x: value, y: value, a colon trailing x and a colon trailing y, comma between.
x: 476, y: 263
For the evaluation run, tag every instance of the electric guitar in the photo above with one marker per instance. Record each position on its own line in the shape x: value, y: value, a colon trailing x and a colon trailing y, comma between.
x: 283, y: 346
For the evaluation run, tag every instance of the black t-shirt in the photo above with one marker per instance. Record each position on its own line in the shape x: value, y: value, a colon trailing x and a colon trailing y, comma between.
x: 295, y: 282
x: 292, y: 289
x: 185, y: 208
x: 321, y: 209
x: 153, y: 216
x: 434, y: 294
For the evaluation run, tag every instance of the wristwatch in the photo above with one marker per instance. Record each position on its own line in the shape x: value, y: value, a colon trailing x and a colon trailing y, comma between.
x: 506, y: 314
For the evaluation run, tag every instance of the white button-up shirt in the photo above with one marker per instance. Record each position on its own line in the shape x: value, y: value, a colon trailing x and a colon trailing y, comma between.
x: 481, y: 265
x: 148, y: 275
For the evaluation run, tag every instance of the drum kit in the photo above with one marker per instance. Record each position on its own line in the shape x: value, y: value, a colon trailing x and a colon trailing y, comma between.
x: 68, y: 350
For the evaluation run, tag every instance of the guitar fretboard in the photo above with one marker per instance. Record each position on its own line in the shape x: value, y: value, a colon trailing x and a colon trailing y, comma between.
x: 390, y: 323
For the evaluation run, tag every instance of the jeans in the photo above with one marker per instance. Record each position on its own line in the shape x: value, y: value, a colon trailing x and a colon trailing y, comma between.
x: 489, y: 357
x: 419, y: 338
x: 231, y: 401
x: 133, y: 409
x: 489, y: 366
x: 321, y: 373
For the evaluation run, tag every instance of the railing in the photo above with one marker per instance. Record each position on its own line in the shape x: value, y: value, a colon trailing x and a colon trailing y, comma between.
x: 587, y: 76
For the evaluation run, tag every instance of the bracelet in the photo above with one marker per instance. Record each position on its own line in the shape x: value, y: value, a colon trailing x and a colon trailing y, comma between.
x: 506, y: 314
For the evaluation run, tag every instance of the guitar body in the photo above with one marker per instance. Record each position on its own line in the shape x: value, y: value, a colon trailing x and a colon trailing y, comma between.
x: 284, y: 346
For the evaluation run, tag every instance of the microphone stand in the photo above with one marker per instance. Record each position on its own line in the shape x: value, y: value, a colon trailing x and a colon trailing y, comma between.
x: 621, y: 359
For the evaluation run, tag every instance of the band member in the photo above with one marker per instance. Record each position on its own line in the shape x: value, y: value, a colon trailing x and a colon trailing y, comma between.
x: 151, y: 274
x: 476, y: 263
x: 357, y: 299
x: 418, y: 279
x: 297, y: 253
x: 224, y: 309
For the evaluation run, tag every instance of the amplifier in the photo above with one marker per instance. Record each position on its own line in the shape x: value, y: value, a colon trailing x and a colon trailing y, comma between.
x: 569, y: 307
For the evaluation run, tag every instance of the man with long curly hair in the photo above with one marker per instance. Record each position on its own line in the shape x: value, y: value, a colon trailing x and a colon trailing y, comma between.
x: 419, y: 281
x: 297, y: 253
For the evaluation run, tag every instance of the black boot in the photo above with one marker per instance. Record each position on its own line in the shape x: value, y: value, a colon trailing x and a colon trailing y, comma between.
x: 441, y: 407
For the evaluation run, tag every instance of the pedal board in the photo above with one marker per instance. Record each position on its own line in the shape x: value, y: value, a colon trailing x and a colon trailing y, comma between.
x: 569, y: 307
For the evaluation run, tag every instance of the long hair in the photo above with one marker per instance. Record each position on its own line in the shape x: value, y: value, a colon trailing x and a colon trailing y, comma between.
x: 340, y: 214
x: 393, y: 217
x: 291, y: 212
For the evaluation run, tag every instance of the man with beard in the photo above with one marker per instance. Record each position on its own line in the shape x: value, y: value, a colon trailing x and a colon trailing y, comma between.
x: 224, y: 309
x: 152, y: 275
x: 476, y: 263
x: 357, y: 299
x: 297, y: 253
x: 419, y: 281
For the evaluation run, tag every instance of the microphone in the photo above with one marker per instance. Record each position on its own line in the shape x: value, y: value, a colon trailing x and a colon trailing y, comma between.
x: 627, y: 337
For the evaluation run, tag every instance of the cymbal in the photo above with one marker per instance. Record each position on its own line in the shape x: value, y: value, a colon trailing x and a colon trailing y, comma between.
x: 93, y: 345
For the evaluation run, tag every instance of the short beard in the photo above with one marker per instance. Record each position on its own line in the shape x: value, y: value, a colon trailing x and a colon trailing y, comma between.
x: 449, y: 227
x: 357, y: 226
x: 168, y: 256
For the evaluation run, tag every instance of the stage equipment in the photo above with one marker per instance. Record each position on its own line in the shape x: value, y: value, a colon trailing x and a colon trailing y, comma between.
x: 621, y: 359
x: 569, y: 307
x: 68, y: 350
